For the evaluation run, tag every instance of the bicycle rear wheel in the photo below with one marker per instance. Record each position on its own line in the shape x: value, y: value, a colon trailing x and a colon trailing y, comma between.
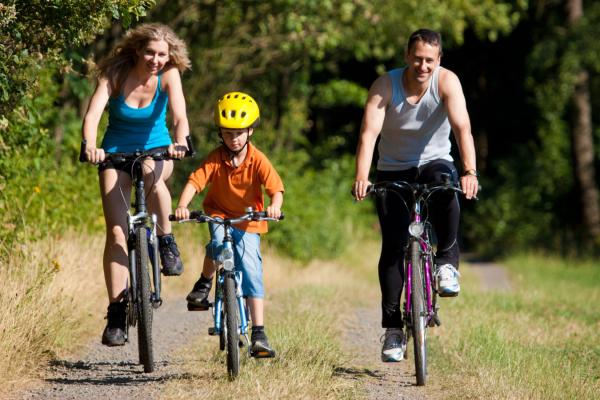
x: 232, y: 323
x: 144, y: 305
x: 418, y: 311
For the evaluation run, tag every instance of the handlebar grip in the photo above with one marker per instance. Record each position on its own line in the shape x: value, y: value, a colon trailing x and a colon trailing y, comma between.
x: 191, y: 151
x: 263, y: 214
x: 172, y: 217
x: 82, y: 155
x: 196, y: 214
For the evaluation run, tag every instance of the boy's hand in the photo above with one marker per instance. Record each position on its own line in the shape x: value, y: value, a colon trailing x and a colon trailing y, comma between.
x: 274, y: 212
x: 182, y: 212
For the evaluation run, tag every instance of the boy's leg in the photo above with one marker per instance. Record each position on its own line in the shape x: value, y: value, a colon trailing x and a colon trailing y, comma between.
x: 256, y: 306
x: 198, y: 298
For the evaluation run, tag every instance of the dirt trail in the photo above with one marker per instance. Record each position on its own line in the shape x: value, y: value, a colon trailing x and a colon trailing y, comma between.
x: 100, y: 372
x: 113, y: 372
x: 396, y: 381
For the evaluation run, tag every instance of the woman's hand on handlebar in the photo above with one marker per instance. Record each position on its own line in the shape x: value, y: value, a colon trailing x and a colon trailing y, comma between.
x: 182, y: 212
x: 177, y: 150
x: 94, y: 155
x: 359, y: 190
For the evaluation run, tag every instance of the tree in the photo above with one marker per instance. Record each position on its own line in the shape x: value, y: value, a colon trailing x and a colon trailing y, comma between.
x: 581, y: 132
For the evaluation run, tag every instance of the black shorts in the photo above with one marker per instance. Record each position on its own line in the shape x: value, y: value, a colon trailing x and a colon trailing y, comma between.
x: 126, y: 166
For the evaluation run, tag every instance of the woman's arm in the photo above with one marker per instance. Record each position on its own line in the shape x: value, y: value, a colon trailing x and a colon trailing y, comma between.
x: 174, y: 89
x: 91, y: 121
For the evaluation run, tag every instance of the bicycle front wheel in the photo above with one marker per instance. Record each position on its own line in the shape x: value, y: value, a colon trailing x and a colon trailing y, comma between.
x: 144, y: 305
x: 232, y: 323
x: 418, y: 311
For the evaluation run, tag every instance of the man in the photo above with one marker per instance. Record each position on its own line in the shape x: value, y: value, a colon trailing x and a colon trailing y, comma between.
x: 414, y: 109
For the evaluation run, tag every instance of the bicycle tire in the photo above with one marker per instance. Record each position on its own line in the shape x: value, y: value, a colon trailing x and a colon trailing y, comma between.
x: 232, y: 324
x: 223, y: 334
x: 418, y: 313
x: 144, y: 301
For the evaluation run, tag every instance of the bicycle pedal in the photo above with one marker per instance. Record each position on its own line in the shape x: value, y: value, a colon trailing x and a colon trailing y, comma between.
x: 201, y: 307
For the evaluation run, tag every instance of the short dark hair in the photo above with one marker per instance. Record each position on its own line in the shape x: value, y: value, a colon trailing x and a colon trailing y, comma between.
x: 428, y: 36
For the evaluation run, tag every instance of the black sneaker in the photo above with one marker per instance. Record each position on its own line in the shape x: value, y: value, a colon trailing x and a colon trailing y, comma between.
x: 114, y: 333
x: 169, y: 255
x: 260, y: 347
x: 198, y: 297
x: 394, y: 345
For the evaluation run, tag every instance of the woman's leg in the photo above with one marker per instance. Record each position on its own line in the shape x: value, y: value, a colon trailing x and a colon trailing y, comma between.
x: 158, y: 197
x: 159, y: 202
x: 115, y: 189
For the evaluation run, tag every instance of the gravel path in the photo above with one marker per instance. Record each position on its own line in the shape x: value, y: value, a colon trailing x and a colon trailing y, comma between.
x: 114, y: 373
x: 396, y: 381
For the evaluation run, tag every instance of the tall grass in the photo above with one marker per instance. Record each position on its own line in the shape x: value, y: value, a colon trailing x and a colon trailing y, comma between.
x: 49, y: 290
x: 303, y: 313
x: 538, y: 341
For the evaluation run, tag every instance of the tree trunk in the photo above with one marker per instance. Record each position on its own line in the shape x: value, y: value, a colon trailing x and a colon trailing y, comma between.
x: 583, y: 142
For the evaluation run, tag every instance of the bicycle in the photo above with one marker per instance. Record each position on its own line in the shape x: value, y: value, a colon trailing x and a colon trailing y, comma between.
x: 143, y: 252
x: 230, y: 312
x: 420, y: 289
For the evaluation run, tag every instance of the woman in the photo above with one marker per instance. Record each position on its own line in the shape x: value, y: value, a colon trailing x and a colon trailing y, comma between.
x: 137, y: 80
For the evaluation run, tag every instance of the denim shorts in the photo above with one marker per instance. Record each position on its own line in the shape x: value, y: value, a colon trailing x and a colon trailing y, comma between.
x: 247, y: 258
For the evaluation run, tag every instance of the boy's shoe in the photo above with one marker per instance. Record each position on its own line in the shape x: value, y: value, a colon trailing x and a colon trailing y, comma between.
x: 114, y: 333
x: 447, y: 276
x: 260, y: 347
x: 394, y: 345
x: 198, y: 297
x: 169, y: 255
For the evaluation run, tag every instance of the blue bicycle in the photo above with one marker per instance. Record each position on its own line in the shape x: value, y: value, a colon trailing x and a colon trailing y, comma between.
x: 230, y: 312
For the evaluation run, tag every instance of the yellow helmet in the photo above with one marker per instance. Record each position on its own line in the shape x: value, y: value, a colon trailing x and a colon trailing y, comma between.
x: 236, y: 110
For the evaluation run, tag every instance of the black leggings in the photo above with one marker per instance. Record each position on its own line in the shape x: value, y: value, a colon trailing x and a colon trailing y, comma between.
x: 443, y: 212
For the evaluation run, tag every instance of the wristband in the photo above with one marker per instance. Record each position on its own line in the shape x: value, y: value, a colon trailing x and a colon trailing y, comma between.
x: 472, y: 172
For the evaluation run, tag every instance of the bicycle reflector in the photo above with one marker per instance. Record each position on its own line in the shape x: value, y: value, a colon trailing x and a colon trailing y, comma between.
x: 416, y: 229
x: 227, y: 259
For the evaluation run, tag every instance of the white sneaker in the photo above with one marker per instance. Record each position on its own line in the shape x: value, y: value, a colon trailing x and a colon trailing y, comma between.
x: 394, y: 345
x: 447, y: 276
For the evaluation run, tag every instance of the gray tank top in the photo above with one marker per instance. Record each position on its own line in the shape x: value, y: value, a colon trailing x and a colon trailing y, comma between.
x: 413, y: 134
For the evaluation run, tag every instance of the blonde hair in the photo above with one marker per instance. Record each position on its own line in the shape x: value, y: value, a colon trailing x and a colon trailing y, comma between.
x: 123, y: 57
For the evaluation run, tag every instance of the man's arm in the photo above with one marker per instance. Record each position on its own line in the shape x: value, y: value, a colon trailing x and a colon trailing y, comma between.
x: 379, y: 97
x: 454, y: 100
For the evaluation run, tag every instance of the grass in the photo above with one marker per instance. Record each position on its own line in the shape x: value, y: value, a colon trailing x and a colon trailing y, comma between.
x: 49, y: 292
x: 303, y: 315
x: 538, y: 341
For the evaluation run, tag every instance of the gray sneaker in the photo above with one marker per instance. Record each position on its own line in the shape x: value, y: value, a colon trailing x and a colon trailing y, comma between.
x: 447, y: 278
x: 394, y: 345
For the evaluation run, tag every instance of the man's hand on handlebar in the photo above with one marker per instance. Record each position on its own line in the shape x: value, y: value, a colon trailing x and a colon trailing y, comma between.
x: 469, y: 185
x: 359, y: 190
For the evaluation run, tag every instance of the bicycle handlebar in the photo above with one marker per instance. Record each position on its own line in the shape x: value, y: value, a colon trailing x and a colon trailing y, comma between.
x: 130, y: 156
x: 199, y: 216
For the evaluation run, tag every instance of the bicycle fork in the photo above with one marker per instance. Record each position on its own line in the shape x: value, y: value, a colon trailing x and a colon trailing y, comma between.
x: 218, y: 306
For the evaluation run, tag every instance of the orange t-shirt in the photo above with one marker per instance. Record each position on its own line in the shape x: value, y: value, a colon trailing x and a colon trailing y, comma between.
x: 233, y: 189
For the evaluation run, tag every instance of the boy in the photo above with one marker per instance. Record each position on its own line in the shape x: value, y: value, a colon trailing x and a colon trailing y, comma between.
x: 236, y: 172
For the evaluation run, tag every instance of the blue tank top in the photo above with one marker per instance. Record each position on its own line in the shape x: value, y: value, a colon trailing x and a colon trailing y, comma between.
x: 130, y: 129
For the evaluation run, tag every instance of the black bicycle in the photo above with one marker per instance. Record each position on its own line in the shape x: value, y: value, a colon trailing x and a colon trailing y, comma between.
x: 143, y: 294
x: 230, y: 312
